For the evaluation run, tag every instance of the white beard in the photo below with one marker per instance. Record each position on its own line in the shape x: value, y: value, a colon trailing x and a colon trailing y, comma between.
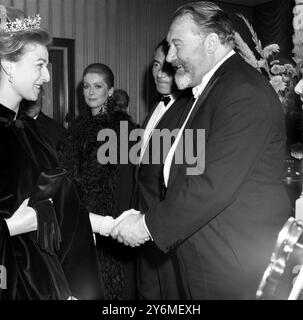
x: 183, y: 81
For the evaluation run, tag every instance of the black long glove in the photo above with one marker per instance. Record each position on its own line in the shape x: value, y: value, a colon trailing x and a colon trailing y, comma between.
x: 48, y: 232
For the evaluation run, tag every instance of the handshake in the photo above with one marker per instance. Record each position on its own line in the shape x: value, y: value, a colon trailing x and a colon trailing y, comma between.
x: 128, y: 228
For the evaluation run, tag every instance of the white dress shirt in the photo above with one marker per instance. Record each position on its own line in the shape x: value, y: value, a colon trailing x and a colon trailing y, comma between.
x: 197, y: 91
x: 153, y: 121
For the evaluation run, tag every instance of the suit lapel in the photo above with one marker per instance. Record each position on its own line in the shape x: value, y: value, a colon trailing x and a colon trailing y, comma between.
x: 137, y: 167
x: 144, y: 127
x: 167, y: 121
x: 175, y: 168
x: 202, y: 98
x: 159, y: 124
x: 145, y: 122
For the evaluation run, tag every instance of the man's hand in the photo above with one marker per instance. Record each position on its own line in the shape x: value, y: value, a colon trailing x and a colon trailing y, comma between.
x: 130, y: 230
x: 125, y: 214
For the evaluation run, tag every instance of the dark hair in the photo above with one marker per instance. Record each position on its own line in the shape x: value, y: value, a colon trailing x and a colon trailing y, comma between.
x: 103, y: 70
x: 163, y: 45
x: 13, y: 44
x: 209, y: 18
x: 121, y: 98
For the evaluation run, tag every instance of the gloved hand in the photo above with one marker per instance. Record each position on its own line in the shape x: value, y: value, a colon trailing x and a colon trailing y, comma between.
x: 125, y: 214
x: 23, y: 220
x: 109, y: 222
x: 104, y: 224
x: 48, y: 231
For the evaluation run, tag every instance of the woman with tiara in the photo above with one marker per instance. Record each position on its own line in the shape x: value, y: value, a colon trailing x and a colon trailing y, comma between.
x: 58, y: 261
x: 104, y: 189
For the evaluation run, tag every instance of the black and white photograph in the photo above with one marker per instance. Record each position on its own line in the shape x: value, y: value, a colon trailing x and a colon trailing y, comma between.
x: 151, y: 153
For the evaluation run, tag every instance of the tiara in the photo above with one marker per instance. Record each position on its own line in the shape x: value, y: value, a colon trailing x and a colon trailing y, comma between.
x: 32, y: 22
x: 24, y: 24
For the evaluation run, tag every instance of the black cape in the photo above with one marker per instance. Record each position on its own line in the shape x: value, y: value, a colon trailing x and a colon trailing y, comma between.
x: 32, y: 273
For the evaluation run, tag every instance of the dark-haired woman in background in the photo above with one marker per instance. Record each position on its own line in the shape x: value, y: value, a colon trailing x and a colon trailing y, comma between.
x: 105, y: 189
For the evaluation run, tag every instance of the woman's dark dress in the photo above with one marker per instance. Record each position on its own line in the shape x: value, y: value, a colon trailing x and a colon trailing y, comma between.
x: 104, y: 189
x: 32, y: 273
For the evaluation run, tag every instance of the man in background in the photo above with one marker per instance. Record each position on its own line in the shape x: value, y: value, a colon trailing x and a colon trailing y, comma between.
x: 158, y: 275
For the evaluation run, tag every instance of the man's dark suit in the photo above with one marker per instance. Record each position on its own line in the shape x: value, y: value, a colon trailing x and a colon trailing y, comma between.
x: 158, y: 274
x: 53, y: 130
x: 222, y: 225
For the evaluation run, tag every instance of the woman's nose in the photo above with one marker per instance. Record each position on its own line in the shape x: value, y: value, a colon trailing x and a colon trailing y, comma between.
x: 45, y: 75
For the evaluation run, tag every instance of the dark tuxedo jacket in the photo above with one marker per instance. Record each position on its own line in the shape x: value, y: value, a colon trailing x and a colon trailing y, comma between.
x: 158, y: 273
x: 222, y: 224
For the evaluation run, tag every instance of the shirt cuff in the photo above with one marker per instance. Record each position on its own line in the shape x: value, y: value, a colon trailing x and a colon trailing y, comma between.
x: 146, y: 229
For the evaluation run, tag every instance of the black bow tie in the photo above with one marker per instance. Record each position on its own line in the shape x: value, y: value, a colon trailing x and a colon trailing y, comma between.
x: 165, y: 99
